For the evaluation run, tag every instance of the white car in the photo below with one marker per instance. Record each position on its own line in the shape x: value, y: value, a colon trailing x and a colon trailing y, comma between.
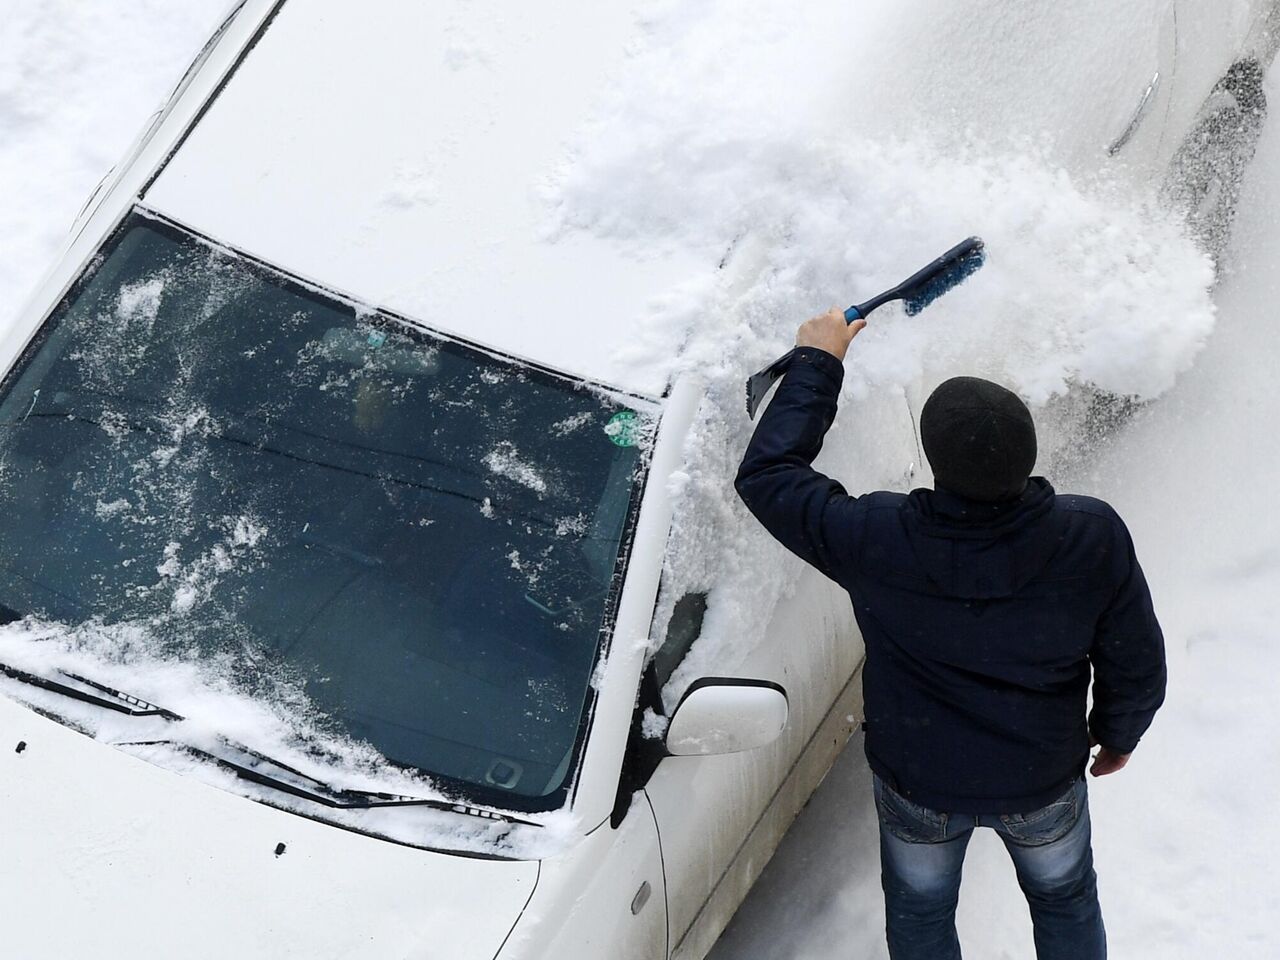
x: 309, y: 397
x: 310, y: 406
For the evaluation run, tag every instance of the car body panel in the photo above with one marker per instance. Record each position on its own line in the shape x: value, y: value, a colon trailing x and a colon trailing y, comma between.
x: 604, y: 898
x: 149, y: 858
x: 960, y: 54
x: 707, y: 806
x: 412, y: 179
x: 753, y: 852
x: 596, y: 790
x: 1070, y: 116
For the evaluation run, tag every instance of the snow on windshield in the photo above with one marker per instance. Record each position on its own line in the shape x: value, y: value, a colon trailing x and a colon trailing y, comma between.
x: 214, y: 476
x: 273, y: 715
x: 1089, y: 286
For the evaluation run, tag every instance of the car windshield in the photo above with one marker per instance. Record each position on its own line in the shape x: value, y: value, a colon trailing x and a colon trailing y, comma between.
x: 429, y: 535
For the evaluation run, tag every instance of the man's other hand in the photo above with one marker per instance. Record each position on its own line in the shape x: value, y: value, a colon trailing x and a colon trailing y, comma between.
x: 829, y: 332
x: 1108, y: 761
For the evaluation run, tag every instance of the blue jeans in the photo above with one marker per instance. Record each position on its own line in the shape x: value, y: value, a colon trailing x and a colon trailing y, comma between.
x: 922, y: 852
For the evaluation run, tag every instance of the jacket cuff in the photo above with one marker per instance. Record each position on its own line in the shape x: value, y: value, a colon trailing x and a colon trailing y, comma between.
x: 1115, y: 744
x: 817, y: 367
x: 1125, y: 747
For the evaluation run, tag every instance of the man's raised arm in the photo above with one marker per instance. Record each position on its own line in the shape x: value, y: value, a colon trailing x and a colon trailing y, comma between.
x: 809, y: 513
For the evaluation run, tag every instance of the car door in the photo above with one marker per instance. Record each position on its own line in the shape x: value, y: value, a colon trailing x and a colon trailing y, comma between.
x: 720, y: 817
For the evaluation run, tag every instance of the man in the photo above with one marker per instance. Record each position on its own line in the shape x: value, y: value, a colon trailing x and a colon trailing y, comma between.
x: 983, y: 604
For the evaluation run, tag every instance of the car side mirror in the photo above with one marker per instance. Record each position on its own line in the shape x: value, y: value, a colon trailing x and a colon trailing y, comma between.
x: 719, y: 715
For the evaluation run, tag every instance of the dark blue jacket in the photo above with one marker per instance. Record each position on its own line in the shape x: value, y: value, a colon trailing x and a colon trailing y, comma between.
x: 981, y: 621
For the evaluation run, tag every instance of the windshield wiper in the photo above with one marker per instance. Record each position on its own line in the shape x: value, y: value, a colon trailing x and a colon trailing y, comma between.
x: 90, y: 691
x: 243, y: 761
x: 248, y: 764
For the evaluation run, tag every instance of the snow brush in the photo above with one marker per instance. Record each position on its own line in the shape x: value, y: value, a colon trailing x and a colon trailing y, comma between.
x: 916, y: 292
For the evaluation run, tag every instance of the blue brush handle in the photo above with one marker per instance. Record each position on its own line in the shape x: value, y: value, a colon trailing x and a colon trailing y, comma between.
x: 852, y: 314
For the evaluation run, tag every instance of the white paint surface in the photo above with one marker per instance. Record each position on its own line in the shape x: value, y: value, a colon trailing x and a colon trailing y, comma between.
x: 110, y: 856
x: 412, y: 178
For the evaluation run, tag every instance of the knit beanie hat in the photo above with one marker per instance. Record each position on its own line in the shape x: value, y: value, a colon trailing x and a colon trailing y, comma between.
x: 979, y: 438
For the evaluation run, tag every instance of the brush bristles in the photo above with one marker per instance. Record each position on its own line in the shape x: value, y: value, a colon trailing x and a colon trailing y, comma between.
x: 949, y: 279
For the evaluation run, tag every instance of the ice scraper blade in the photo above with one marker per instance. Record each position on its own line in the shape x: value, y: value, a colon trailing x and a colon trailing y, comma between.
x: 916, y: 292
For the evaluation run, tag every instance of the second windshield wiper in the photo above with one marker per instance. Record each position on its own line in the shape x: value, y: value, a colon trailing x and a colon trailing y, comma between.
x: 251, y: 765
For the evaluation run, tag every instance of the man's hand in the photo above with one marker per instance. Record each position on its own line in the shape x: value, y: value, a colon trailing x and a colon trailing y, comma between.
x: 829, y: 332
x: 1107, y: 761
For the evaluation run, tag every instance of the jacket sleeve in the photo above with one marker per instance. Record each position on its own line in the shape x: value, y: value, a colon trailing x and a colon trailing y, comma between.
x: 810, y: 514
x: 1127, y: 656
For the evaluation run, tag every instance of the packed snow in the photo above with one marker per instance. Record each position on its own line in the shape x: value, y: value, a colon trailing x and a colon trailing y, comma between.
x: 731, y: 130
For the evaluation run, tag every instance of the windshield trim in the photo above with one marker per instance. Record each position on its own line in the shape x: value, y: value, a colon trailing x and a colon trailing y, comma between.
x: 650, y: 403
x: 466, y: 791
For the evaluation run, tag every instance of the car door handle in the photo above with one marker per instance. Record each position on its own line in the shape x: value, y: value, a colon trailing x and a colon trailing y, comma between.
x: 641, y: 898
x: 1144, y: 104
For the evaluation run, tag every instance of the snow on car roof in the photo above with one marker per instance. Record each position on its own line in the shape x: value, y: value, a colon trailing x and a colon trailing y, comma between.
x: 395, y: 151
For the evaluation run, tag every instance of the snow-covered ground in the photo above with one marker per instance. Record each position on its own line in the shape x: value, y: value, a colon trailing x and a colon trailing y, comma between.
x: 697, y: 146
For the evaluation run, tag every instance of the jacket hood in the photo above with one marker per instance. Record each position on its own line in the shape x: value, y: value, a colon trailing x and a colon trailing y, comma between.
x: 980, y: 550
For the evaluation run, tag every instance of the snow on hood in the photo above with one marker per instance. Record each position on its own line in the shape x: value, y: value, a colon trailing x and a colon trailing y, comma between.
x: 157, y: 864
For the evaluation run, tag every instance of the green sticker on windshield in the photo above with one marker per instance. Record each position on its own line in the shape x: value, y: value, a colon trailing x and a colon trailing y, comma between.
x: 376, y: 339
x: 623, y: 428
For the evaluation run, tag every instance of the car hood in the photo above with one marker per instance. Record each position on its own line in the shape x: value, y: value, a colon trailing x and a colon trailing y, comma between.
x: 107, y: 855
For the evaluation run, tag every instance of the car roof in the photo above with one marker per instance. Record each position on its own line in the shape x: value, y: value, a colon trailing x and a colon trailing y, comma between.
x: 395, y: 151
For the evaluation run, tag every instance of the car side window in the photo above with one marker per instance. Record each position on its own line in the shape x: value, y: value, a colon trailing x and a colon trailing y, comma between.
x: 682, y: 629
